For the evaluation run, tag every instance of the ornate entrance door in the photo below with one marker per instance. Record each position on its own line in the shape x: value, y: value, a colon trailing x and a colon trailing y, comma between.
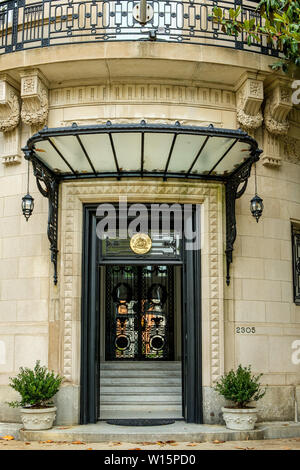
x: 139, y: 312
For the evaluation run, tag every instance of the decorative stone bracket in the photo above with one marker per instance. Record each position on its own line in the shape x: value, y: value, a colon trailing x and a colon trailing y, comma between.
x: 34, y: 94
x: 9, y: 105
x: 9, y: 120
x: 277, y: 107
x: 250, y: 95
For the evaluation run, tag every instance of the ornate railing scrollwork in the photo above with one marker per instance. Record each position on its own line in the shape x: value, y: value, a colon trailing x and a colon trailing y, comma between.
x: 232, y: 193
x: 48, y: 185
x: 28, y: 24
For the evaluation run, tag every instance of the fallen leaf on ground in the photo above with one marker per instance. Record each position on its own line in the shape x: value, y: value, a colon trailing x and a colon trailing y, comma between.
x: 27, y: 443
x: 240, y: 448
x: 89, y: 448
x: 160, y: 443
x: 192, y: 444
x: 64, y: 427
x: 286, y: 448
x: 116, y: 443
x: 8, y: 438
x: 46, y: 442
x: 77, y: 442
x: 136, y: 448
x: 218, y: 442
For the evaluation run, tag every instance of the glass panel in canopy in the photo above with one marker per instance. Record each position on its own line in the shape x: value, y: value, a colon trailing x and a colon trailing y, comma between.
x: 156, y: 150
x: 185, y: 150
x: 48, y: 155
x: 235, y: 157
x: 99, y: 150
x: 128, y: 150
x: 211, y: 154
x: 70, y: 148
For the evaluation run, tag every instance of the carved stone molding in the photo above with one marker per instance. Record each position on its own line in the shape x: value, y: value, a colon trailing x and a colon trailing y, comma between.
x: 34, y: 94
x: 9, y: 106
x: 277, y: 107
x: 11, y: 149
x: 272, y: 155
x: 135, y: 93
x: 75, y: 194
x: 291, y: 149
x: 250, y: 95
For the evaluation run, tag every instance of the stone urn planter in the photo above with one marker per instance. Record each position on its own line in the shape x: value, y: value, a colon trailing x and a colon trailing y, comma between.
x: 36, y: 387
x: 240, y: 419
x: 242, y: 388
x: 37, y: 419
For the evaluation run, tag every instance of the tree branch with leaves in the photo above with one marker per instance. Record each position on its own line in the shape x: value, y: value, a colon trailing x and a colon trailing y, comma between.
x: 280, y: 26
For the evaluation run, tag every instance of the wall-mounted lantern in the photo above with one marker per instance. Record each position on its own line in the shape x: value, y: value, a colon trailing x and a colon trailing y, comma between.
x: 256, y: 203
x: 27, y: 201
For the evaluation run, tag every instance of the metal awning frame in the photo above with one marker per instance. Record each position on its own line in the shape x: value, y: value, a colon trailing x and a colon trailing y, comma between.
x: 48, y: 181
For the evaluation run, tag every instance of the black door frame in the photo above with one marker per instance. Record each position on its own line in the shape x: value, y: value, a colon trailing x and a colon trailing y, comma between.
x: 90, y: 327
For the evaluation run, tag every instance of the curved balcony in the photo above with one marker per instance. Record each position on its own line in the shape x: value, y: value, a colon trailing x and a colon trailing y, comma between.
x: 28, y: 24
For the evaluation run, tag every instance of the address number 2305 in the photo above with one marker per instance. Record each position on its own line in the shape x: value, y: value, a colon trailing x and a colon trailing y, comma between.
x: 245, y: 329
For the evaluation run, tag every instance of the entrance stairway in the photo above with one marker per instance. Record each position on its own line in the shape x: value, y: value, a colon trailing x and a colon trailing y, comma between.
x: 140, y: 390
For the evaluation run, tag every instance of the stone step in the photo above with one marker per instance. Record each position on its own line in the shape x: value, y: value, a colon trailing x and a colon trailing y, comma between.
x: 141, y: 365
x: 140, y: 388
x: 140, y: 373
x: 140, y: 398
x: 142, y: 407
x: 179, y: 431
x: 124, y: 414
x: 143, y: 381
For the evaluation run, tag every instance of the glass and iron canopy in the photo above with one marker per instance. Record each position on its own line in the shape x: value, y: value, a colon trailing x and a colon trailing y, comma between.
x: 141, y: 150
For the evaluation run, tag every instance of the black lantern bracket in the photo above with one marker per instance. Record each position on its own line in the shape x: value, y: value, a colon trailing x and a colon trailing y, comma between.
x: 48, y: 185
x: 233, y: 191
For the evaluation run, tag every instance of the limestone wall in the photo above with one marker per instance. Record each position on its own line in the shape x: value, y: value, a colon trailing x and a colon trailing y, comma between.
x: 41, y: 321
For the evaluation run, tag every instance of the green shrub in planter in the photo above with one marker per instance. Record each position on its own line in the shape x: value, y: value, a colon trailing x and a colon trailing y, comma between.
x: 240, y: 386
x: 36, y: 387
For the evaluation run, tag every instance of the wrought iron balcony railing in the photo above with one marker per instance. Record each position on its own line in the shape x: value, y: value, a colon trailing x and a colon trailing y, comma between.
x: 28, y: 24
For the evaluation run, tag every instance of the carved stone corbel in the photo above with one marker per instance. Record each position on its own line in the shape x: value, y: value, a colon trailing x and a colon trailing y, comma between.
x: 9, y: 105
x: 34, y: 94
x: 249, y: 97
x: 276, y: 125
x: 9, y: 120
x: 277, y: 107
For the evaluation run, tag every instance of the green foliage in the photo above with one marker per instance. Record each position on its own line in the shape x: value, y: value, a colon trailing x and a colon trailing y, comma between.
x: 240, y: 386
x: 280, y: 27
x: 36, y: 386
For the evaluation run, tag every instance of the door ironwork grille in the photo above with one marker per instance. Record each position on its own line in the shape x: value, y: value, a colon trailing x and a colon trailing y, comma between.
x: 139, y: 312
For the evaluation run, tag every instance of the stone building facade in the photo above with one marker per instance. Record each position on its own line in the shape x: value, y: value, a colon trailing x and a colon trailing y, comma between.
x: 255, y: 320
